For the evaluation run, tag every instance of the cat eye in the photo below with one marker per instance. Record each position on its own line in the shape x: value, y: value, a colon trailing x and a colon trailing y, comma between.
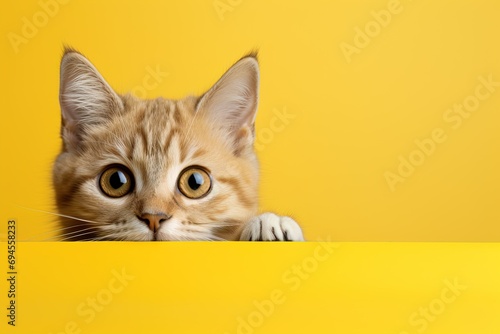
x: 194, y: 182
x: 116, y: 181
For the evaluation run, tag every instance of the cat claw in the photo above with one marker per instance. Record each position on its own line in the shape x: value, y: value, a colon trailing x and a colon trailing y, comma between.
x: 271, y: 227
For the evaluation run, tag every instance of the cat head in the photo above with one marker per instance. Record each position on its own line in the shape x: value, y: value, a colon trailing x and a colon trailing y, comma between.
x: 158, y: 169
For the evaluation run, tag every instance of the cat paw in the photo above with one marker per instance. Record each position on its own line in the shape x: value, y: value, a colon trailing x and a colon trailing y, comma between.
x: 271, y: 227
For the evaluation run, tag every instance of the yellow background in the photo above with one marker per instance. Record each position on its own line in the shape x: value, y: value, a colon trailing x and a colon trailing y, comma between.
x: 351, y: 123
x: 352, y: 120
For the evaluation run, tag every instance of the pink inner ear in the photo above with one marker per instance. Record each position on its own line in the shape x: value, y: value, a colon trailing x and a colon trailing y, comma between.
x: 232, y: 102
x: 85, y: 97
x: 243, y: 140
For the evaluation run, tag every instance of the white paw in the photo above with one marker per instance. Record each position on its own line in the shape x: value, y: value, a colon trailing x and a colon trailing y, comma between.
x: 271, y: 227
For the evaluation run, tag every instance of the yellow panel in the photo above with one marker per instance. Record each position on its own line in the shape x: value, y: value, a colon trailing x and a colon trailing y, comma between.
x: 123, y: 287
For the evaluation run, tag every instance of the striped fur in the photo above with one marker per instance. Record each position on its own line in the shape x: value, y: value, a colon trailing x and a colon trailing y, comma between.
x: 155, y: 139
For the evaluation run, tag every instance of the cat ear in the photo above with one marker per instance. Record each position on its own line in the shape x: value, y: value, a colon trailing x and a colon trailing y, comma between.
x: 85, y: 97
x: 231, y: 104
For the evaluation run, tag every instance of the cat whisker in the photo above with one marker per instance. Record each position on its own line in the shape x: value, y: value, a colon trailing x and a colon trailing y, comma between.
x: 153, y: 139
x: 54, y: 231
x: 223, y: 224
x: 89, y: 240
x: 200, y: 235
x: 132, y: 236
x: 215, y: 238
x: 101, y: 238
x: 77, y: 235
x: 69, y: 234
x: 58, y: 214
x: 105, y: 237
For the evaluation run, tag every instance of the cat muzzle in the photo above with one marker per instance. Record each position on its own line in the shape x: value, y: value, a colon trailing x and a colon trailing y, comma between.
x: 154, y: 220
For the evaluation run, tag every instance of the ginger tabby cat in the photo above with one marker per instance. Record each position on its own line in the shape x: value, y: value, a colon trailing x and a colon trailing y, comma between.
x: 160, y: 169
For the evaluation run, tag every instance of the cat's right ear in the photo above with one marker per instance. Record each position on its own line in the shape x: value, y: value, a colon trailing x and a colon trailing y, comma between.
x: 86, y: 99
x: 231, y: 104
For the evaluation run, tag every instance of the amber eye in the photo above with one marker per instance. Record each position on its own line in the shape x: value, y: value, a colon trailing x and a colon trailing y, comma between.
x: 116, y: 181
x: 194, y: 182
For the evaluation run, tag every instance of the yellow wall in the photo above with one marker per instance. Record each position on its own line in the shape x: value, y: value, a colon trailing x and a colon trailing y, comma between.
x: 357, y: 103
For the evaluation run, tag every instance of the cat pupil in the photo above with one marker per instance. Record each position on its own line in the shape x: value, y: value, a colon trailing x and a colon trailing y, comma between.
x: 117, y: 180
x: 195, y: 181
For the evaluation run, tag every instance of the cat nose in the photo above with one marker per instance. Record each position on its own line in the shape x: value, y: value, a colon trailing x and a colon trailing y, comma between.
x: 153, y: 220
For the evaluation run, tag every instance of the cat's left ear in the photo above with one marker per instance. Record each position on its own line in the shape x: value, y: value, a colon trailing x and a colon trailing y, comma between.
x: 231, y: 104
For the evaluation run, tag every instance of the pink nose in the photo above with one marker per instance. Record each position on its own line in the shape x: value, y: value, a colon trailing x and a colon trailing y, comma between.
x: 153, y: 220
